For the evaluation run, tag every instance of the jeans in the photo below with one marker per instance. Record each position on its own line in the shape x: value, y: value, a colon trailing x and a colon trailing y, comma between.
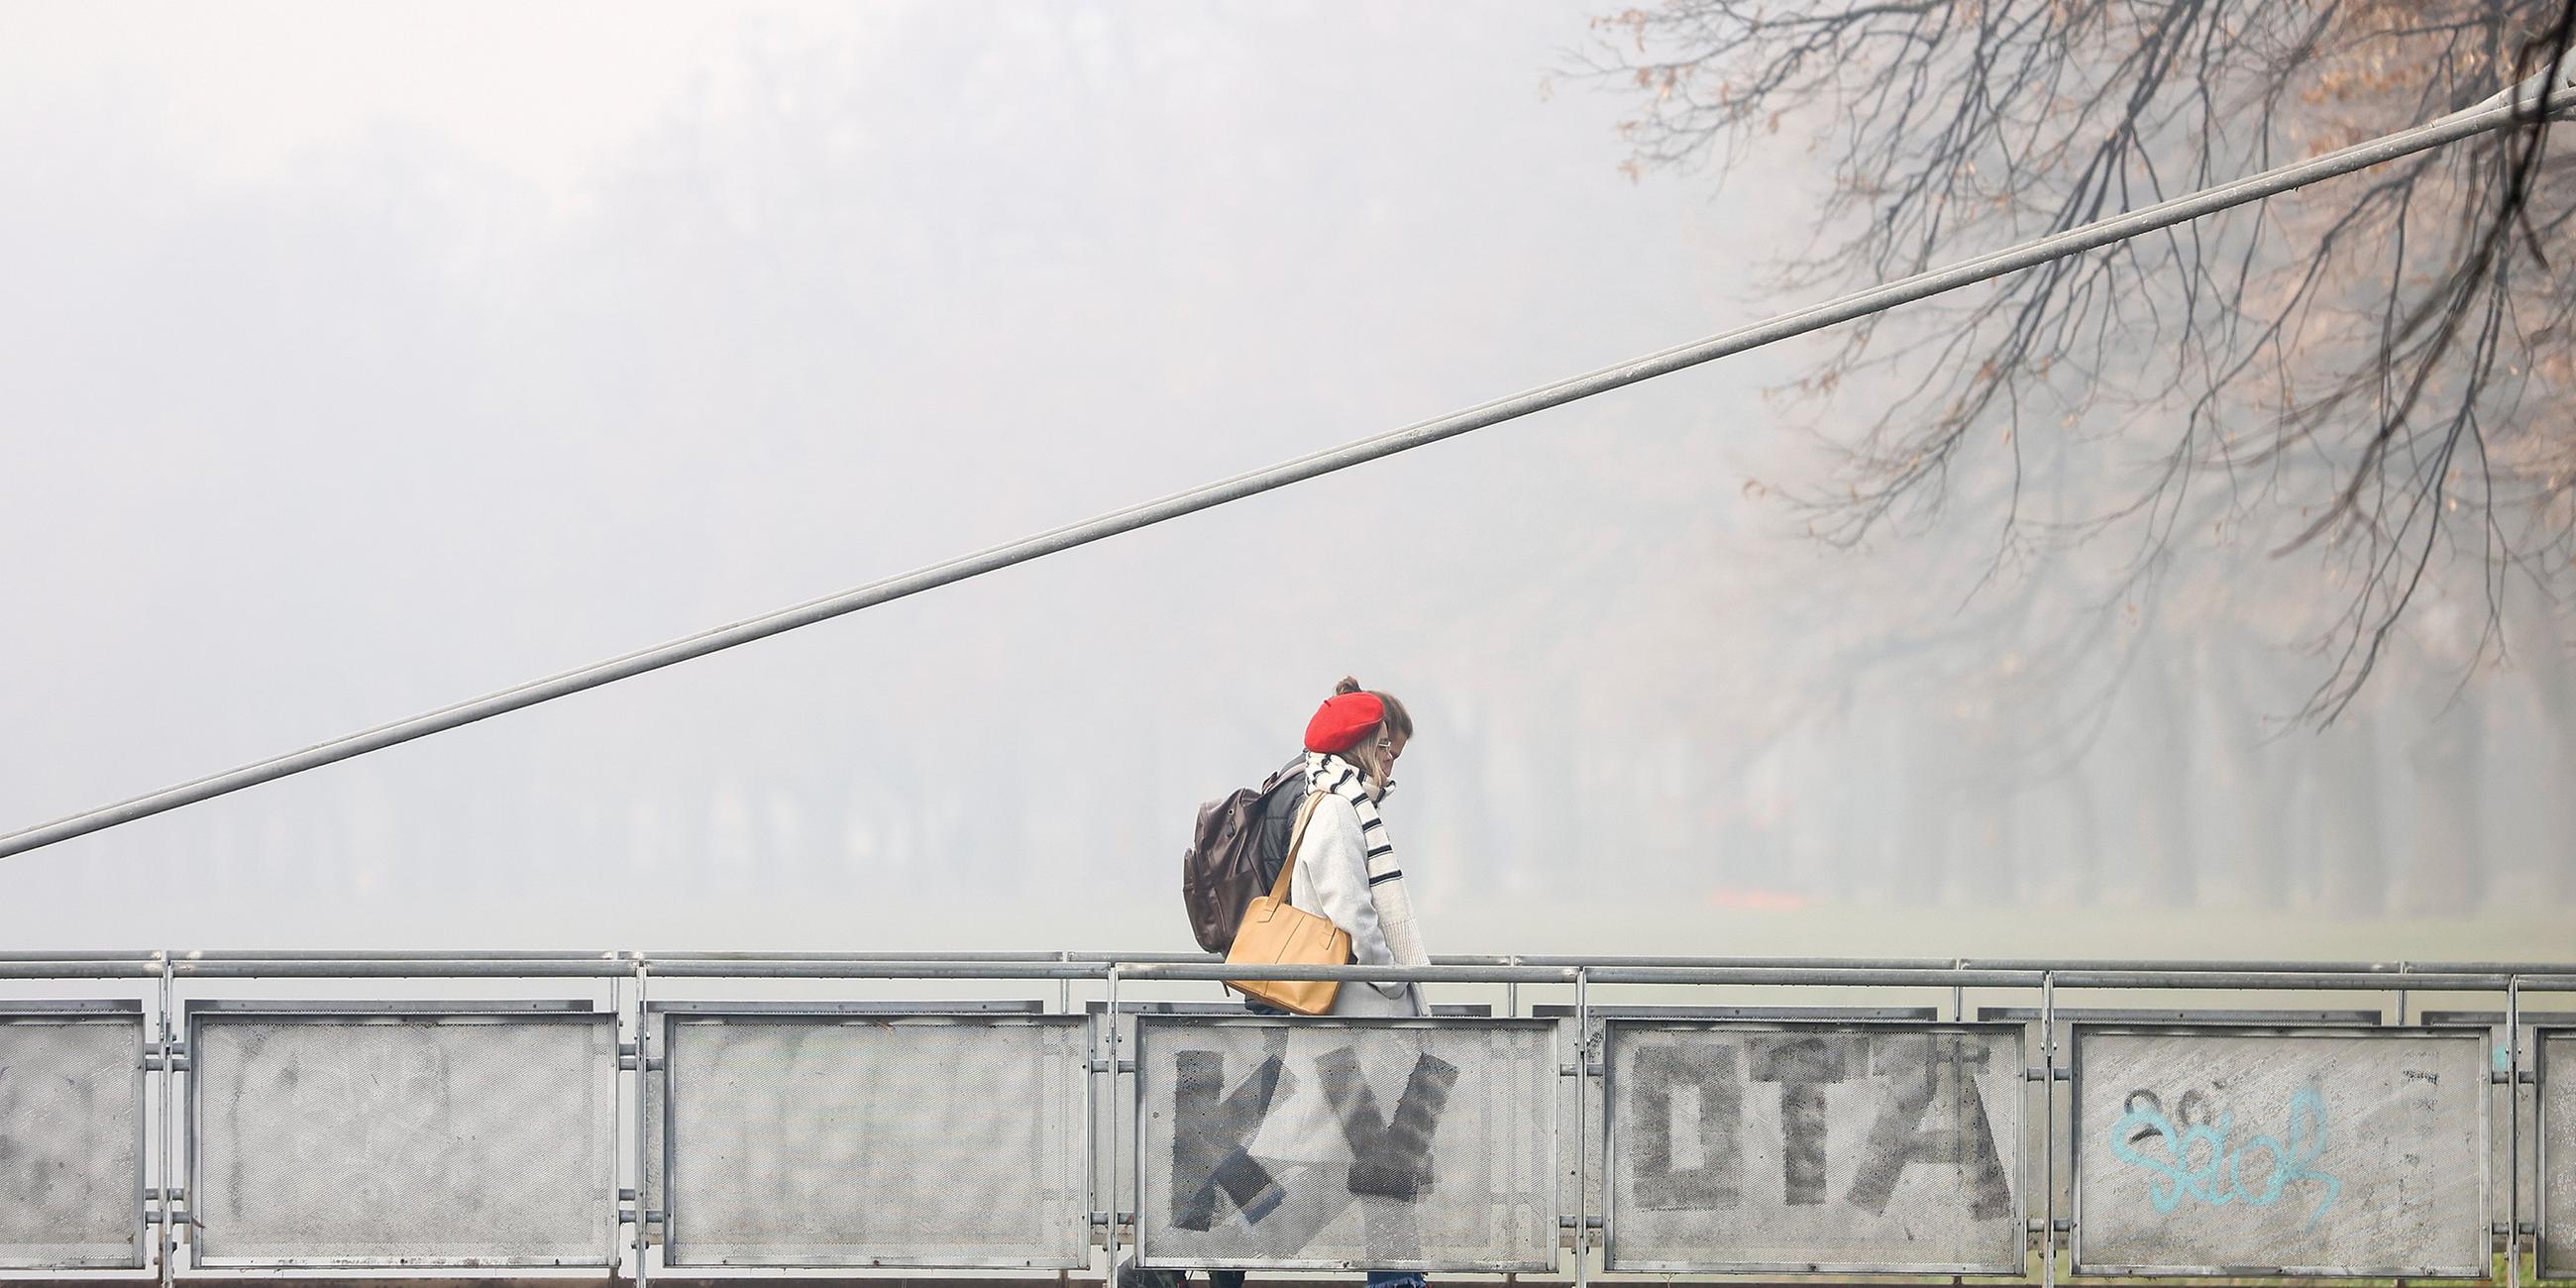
x: 1376, y: 1279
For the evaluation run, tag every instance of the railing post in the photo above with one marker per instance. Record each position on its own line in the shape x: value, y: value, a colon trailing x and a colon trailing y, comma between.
x: 1583, y: 1128
x: 2513, y: 1131
x: 2048, y: 1123
x: 643, y: 1127
x: 1109, y: 1043
x: 1091, y: 1141
x: 166, y: 1246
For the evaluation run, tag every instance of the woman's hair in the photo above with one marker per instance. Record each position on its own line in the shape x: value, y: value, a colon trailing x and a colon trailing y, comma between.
x: 1395, y: 723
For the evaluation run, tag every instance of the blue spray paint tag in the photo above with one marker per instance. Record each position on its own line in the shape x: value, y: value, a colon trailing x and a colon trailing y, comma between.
x: 2211, y: 1173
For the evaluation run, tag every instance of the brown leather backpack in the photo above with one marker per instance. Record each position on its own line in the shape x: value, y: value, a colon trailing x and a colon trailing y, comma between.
x: 1237, y: 850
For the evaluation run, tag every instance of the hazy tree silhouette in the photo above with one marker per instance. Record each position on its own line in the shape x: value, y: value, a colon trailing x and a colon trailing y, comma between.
x: 2371, y: 373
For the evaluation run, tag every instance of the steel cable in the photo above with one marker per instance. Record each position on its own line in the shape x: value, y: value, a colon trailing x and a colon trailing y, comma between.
x: 2518, y: 105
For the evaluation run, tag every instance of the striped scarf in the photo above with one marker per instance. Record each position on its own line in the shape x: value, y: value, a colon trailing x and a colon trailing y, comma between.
x: 1331, y: 773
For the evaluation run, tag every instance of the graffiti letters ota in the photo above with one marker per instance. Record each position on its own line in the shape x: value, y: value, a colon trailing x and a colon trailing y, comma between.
x: 1791, y: 1145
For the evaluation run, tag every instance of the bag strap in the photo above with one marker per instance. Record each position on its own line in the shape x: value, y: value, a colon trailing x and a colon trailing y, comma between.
x: 1293, y: 769
x: 1297, y: 837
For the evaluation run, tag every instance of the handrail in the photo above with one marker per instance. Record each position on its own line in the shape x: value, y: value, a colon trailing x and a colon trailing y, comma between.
x: 640, y: 1055
x: 1963, y: 972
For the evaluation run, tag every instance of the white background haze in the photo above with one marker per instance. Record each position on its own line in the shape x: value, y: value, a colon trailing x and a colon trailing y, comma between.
x: 362, y: 358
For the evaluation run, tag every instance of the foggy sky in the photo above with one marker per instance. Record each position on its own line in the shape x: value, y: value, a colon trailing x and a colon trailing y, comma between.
x: 362, y: 360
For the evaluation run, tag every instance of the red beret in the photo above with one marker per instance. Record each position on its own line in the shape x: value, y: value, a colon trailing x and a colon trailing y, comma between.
x: 1343, y: 720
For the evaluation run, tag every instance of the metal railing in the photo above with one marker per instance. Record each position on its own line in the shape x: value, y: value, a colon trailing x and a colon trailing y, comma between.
x: 745, y: 1113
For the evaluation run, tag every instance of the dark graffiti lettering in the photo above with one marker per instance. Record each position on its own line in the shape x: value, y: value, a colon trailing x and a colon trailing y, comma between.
x: 1802, y: 1067
x: 1213, y: 1129
x: 1390, y: 1157
x: 2190, y: 1111
x: 1965, y: 1140
x: 1676, y: 1160
x: 1210, y: 1129
x: 2142, y: 1102
x: 1715, y: 1179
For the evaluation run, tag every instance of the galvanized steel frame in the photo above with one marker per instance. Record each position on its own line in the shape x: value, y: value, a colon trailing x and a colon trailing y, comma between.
x: 2542, y: 1267
x: 1147, y: 1022
x: 167, y: 1060
x: 2075, y: 1137
x: 311, y: 1011
x: 1582, y: 1126
x: 99, y: 1011
x: 638, y: 1215
x: 830, y: 1012
x: 165, y: 1244
x: 1611, y: 1264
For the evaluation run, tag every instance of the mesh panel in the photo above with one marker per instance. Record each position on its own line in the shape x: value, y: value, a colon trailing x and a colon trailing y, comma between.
x: 877, y: 1140
x: 1276, y: 1144
x: 412, y: 1140
x: 1789, y: 1146
x: 2557, y: 1051
x: 2326, y: 1154
x: 71, y: 1119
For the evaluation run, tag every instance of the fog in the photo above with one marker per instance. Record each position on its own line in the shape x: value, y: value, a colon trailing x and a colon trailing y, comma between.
x: 361, y: 359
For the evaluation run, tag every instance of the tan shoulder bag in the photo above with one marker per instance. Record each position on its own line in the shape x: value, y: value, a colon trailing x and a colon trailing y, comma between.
x: 1275, y: 934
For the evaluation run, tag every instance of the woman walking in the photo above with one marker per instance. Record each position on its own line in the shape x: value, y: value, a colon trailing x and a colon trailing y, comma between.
x: 1344, y: 869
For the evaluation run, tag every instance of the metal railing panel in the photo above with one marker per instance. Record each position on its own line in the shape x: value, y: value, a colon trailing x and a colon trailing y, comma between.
x: 1589, y: 1173
x: 2514, y: 1110
x: 402, y: 1134
x: 656, y: 1160
x: 1340, y: 1144
x: 2555, y: 1062
x: 855, y: 1138
x: 2227, y: 1152
x: 2332, y: 1152
x: 1803, y: 1147
x: 71, y: 1136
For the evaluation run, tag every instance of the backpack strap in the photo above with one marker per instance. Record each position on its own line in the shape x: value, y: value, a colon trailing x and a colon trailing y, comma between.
x: 1288, y: 866
x: 1270, y: 784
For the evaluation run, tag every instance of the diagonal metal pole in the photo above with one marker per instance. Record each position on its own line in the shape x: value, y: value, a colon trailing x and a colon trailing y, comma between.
x: 2523, y: 103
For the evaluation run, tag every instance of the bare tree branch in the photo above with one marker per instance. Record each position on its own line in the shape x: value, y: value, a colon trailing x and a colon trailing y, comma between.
x: 2361, y: 370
